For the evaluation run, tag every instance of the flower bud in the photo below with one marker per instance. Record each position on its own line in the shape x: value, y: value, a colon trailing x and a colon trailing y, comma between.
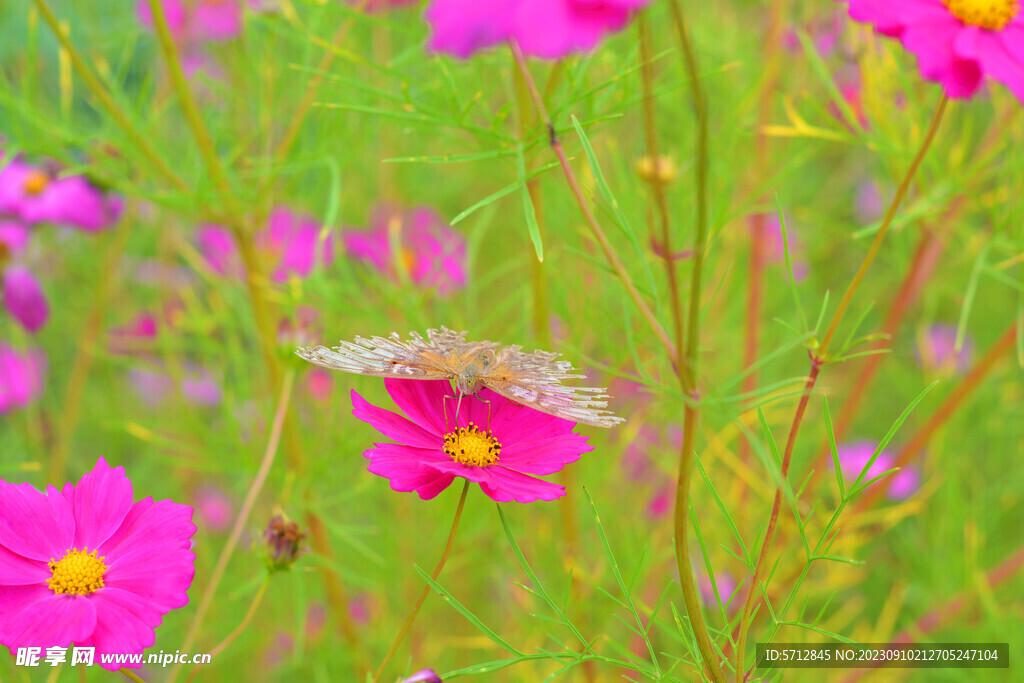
x: 282, y: 542
x: 662, y: 171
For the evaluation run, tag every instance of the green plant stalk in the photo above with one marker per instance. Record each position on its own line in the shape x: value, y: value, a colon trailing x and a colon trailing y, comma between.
x: 264, y: 316
x: 129, y: 674
x: 85, y: 347
x: 240, y: 520
x: 606, y: 247
x: 658, y: 187
x: 100, y: 92
x: 187, y: 102
x: 426, y: 589
x: 687, y: 363
x: 246, y: 620
x: 876, y: 244
x: 819, y: 357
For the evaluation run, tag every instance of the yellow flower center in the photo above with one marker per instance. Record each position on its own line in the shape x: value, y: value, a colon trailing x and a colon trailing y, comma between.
x: 35, y: 182
x: 472, y: 447
x: 991, y: 14
x: 79, y: 572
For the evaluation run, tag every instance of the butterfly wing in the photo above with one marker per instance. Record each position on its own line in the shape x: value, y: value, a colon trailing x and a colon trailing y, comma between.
x: 535, y: 380
x: 442, y: 356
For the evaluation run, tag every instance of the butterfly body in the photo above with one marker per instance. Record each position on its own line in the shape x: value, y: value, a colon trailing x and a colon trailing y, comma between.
x: 532, y: 379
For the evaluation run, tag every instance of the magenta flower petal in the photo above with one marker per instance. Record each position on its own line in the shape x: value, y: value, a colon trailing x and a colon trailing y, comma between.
x: 16, y: 570
x: 423, y: 401
x: 392, y: 425
x: 73, y: 201
x: 101, y: 499
x: 21, y: 377
x: 123, y: 624
x: 552, y: 29
x: 14, y: 236
x: 521, y: 442
x: 217, y: 19
x: 110, y: 597
x: 462, y: 27
x: 25, y: 299
x: 14, y: 598
x: 175, y: 13
x: 218, y: 246
x: 53, y: 620
x: 35, y: 525
x: 950, y: 51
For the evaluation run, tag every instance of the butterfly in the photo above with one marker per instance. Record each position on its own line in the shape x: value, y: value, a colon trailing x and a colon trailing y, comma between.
x: 532, y: 379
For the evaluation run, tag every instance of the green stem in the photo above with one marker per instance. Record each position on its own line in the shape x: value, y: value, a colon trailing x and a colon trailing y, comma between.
x: 106, y: 101
x: 240, y: 521
x: 130, y: 674
x: 426, y: 589
x: 246, y: 620
x: 85, y: 349
x: 188, y: 103
x: 876, y: 244
x: 606, y: 247
x: 818, y: 358
x: 687, y: 363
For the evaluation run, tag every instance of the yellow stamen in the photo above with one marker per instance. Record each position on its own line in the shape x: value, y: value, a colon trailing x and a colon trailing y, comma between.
x: 35, y: 182
x: 472, y: 447
x: 79, y: 572
x: 991, y: 14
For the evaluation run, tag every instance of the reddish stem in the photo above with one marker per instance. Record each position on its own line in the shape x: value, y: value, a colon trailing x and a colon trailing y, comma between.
x: 762, y: 558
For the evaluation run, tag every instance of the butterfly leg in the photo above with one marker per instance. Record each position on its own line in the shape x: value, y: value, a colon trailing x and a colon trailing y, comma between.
x: 458, y: 404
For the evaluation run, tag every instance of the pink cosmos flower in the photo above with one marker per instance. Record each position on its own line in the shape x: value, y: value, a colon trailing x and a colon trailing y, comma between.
x: 775, y: 246
x: 86, y: 565
x: 430, y: 253
x: 202, y: 21
x: 34, y: 195
x: 23, y: 296
x: 957, y: 42
x: 423, y: 676
x: 520, y: 442
x: 214, y: 507
x: 854, y: 456
x: 290, y: 243
x: 549, y: 29
x: 21, y: 378
x: 937, y: 350
x: 724, y: 581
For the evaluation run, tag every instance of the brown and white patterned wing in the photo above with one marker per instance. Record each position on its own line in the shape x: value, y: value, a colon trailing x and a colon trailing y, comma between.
x: 381, y: 357
x: 443, y: 356
x: 535, y: 379
x: 579, y: 404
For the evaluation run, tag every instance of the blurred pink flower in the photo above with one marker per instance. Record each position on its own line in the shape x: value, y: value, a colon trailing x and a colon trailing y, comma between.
x: 853, y: 457
x: 290, y: 243
x: 521, y: 442
x: 34, y: 195
x: 937, y: 350
x: 429, y: 251
x: 204, y: 20
x: 24, y: 298
x: 21, y: 377
x: 725, y: 583
x: 868, y: 206
x: 824, y: 30
x: 361, y: 608
x: 957, y: 42
x: 319, y: 384
x: 776, y: 246
x: 549, y: 29
x: 380, y: 5
x: 214, y: 508
x: 55, y: 591
x: 423, y: 676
